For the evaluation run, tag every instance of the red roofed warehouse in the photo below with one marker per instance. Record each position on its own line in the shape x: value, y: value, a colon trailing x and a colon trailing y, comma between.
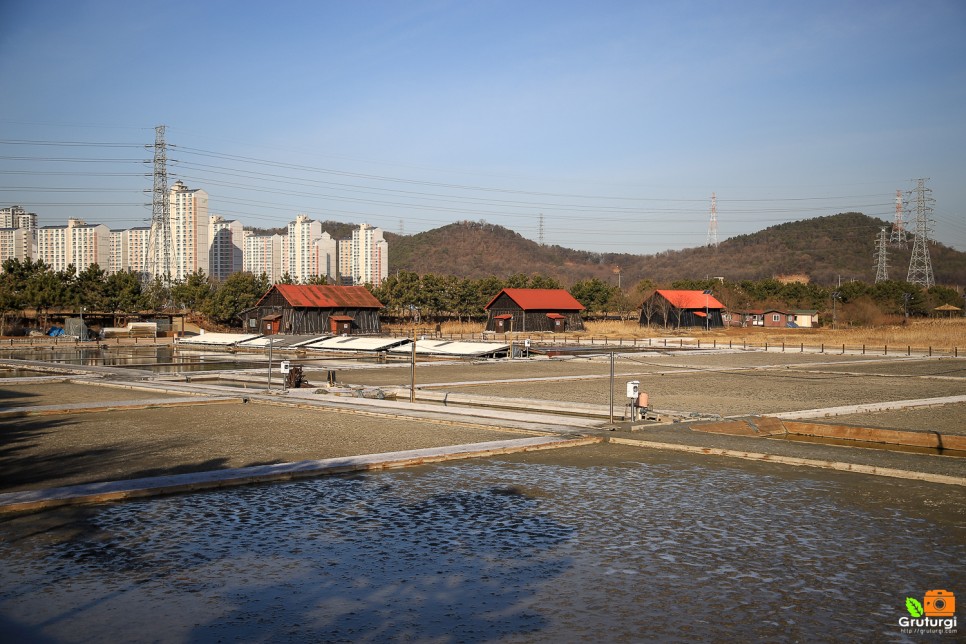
x: 529, y: 310
x: 305, y: 309
x: 682, y: 309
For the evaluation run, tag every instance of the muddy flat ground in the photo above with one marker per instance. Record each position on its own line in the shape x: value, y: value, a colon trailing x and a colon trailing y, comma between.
x: 67, y: 393
x: 726, y: 384
x: 48, y: 451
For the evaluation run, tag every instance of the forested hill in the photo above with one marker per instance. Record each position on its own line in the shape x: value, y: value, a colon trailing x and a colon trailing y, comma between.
x: 824, y: 248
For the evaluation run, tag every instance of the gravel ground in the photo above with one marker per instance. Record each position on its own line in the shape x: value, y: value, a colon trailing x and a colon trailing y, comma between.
x: 47, y: 451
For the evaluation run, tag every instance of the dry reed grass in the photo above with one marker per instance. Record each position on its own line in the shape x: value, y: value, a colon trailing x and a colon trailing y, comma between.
x: 939, y: 333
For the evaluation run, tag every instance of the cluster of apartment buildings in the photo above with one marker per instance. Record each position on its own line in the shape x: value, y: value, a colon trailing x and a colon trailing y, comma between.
x: 199, y: 241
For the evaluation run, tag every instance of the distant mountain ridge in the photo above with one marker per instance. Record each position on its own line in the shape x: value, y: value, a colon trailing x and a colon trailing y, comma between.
x: 826, y: 249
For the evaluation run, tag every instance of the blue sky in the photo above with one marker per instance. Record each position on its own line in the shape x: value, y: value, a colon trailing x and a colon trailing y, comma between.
x: 611, y: 122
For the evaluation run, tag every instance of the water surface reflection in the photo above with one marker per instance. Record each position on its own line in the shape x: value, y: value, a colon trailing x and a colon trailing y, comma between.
x: 615, y: 545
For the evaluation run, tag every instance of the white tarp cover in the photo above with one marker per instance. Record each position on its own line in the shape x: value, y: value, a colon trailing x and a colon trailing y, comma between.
x: 356, y: 343
x: 454, y: 348
x: 279, y: 341
x: 217, y: 339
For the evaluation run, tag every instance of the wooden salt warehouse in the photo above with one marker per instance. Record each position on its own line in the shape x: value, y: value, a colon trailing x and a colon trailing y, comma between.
x: 305, y: 309
x: 677, y: 308
x: 531, y: 310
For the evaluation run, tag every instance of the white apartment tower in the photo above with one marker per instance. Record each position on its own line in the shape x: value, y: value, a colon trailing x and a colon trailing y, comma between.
x: 345, y: 261
x: 17, y: 217
x: 188, y: 219
x: 225, y: 254
x: 17, y: 228
x: 298, y: 254
x: 263, y: 254
x: 129, y: 250
x: 15, y: 243
x: 369, y: 259
x: 325, y: 254
x: 76, y: 243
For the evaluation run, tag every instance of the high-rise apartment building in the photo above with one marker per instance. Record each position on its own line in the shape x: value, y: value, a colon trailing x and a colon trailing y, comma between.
x: 77, y: 243
x: 17, y: 217
x: 129, y: 250
x: 263, y: 254
x: 308, y: 252
x: 17, y: 228
x: 369, y: 259
x: 345, y: 261
x: 226, y: 248
x: 15, y: 243
x: 188, y: 219
x: 217, y: 246
x: 325, y: 256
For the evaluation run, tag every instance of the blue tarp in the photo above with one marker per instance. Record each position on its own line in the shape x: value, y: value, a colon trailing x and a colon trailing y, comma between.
x: 55, y: 332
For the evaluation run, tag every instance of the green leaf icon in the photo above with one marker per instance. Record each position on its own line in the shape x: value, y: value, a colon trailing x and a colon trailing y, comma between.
x: 914, y: 607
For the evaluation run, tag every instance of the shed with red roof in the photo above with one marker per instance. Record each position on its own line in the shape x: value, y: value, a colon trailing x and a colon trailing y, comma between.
x: 530, y: 310
x: 313, y: 308
x: 676, y: 308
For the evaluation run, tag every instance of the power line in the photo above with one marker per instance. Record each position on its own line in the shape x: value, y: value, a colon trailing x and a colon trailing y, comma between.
x: 412, y: 196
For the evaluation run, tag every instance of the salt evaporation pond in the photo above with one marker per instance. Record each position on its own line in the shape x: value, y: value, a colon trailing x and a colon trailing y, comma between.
x: 602, y: 543
x: 157, y: 358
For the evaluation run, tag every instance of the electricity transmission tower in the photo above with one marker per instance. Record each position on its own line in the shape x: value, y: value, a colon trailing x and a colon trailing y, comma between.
x: 713, y: 224
x: 540, y: 230
x: 882, y: 257
x: 899, y: 236
x: 920, y: 267
x: 158, y: 263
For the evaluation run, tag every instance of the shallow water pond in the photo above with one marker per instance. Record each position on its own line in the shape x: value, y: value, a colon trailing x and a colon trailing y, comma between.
x: 605, y: 543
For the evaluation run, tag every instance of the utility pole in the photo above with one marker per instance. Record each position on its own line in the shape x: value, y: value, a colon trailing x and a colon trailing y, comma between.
x: 882, y: 258
x: 713, y: 224
x: 158, y: 260
x: 920, y: 267
x: 707, y: 318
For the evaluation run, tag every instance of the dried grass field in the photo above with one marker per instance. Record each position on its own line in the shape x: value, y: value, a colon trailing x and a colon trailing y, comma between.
x: 941, y: 334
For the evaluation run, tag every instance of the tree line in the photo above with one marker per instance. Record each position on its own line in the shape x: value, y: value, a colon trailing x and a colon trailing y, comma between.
x: 29, y: 285
x: 853, y: 302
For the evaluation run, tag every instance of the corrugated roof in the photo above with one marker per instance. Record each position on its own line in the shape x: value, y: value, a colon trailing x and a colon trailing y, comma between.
x: 541, y: 299
x: 326, y: 296
x: 690, y: 299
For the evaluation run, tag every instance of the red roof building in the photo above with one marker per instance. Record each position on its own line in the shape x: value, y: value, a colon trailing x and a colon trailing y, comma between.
x: 678, y: 308
x: 312, y: 308
x: 527, y: 310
